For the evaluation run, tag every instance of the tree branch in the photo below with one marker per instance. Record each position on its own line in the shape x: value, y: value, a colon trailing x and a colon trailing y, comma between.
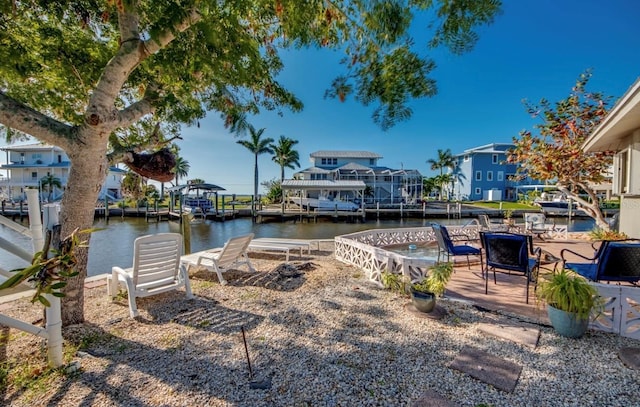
x: 21, y: 117
x: 135, y: 112
x: 132, y: 52
x: 152, y: 46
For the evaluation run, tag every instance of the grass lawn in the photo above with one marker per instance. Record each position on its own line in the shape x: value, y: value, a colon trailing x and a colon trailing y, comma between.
x: 505, y: 205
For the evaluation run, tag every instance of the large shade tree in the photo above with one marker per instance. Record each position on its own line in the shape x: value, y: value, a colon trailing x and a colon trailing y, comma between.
x: 285, y: 155
x: 554, y: 153
x: 73, y: 73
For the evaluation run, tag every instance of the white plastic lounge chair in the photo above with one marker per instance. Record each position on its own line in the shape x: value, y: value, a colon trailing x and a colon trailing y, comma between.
x: 293, y: 243
x: 233, y: 254
x: 535, y: 223
x: 156, y: 269
x: 487, y: 225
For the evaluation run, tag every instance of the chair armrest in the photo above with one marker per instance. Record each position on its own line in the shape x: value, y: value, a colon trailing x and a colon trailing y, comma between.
x: 537, y: 252
x: 562, y: 252
x: 460, y: 237
x: 119, y: 270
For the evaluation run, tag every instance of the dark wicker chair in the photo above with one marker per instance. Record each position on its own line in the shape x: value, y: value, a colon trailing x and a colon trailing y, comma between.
x: 445, y: 245
x: 614, y: 260
x: 510, y: 252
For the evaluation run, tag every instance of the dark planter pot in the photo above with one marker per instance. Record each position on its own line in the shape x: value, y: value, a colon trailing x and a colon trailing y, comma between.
x: 566, y: 323
x: 424, y: 302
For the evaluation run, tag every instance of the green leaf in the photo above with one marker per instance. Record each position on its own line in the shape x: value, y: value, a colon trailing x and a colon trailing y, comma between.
x: 44, y: 301
x: 59, y: 285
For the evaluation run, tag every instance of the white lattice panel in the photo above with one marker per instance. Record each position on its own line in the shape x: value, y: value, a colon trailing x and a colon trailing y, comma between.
x: 621, y: 313
x: 363, y: 250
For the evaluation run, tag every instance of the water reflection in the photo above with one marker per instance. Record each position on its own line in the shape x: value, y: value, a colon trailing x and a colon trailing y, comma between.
x: 114, y: 244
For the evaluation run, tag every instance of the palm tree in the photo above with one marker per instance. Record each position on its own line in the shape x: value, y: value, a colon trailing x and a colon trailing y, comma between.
x: 50, y: 182
x: 284, y: 155
x: 257, y: 146
x: 445, y: 160
x: 181, y: 169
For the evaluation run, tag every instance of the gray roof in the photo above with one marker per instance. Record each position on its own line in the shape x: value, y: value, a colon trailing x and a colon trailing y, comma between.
x: 315, y: 170
x: 487, y: 148
x: 29, y: 147
x: 323, y: 184
x: 344, y: 154
x: 354, y: 166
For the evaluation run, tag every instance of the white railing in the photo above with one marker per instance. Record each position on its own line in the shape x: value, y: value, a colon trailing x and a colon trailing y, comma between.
x: 52, y: 332
x: 621, y: 314
x: 365, y: 250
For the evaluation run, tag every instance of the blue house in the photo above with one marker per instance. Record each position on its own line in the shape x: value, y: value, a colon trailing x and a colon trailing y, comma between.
x: 482, y: 173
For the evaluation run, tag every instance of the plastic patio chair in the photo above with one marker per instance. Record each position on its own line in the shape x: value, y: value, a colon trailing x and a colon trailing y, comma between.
x: 510, y: 252
x: 614, y: 260
x: 445, y: 245
x: 219, y: 260
x: 536, y: 224
x: 487, y: 225
x: 156, y: 269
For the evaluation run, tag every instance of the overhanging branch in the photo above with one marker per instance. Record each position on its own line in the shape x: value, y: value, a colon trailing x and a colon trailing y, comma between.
x: 21, y: 117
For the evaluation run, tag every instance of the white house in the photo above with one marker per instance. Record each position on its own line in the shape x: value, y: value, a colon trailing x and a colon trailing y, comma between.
x: 386, y: 185
x: 26, y: 166
x: 620, y: 132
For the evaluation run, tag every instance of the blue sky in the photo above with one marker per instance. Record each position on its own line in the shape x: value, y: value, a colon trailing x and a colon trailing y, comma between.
x: 534, y: 50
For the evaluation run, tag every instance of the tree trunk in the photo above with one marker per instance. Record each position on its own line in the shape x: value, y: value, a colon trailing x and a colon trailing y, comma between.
x: 255, y: 186
x: 88, y: 170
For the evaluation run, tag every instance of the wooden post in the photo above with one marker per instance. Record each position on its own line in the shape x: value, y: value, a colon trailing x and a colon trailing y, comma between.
x: 223, y: 217
x: 106, y: 207
x: 185, y: 228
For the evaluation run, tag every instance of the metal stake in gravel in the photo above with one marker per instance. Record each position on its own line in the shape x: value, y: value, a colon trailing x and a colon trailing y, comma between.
x: 261, y: 383
x: 246, y: 350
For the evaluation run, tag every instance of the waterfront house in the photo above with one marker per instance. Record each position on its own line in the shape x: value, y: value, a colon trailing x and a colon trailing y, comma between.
x: 482, y: 173
x: 620, y: 132
x: 382, y: 184
x: 26, y: 166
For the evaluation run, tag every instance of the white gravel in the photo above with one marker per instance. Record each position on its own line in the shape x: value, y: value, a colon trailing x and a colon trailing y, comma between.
x: 327, y: 338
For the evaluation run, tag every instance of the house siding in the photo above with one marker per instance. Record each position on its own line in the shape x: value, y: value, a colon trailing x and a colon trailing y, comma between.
x: 489, y: 162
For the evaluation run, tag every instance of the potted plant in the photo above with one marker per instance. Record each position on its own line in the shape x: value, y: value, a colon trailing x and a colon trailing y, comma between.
x: 570, y: 300
x: 394, y: 282
x: 508, y: 217
x: 424, y: 293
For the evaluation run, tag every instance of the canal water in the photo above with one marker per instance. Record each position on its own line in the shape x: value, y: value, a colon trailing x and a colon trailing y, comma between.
x: 113, y: 244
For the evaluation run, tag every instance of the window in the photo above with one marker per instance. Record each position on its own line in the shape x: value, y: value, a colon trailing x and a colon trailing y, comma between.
x: 489, y: 175
x: 621, y: 172
x: 500, y: 176
x: 478, y: 191
x: 59, y: 158
x: 478, y: 175
x: 34, y: 175
x: 334, y: 161
x: 324, y: 161
x: 466, y: 157
x: 494, y: 159
x: 371, y: 161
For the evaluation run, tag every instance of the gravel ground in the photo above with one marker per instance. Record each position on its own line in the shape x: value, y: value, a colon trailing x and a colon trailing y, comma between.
x: 325, y: 338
